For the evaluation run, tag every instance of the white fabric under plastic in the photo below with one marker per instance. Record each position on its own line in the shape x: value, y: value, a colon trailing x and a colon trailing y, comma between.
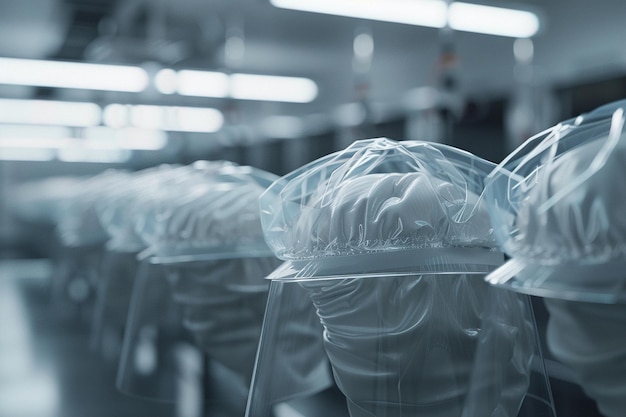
x: 557, y: 210
x: 591, y: 340
x: 222, y: 305
x: 213, y: 213
x: 376, y: 234
x: 378, y: 195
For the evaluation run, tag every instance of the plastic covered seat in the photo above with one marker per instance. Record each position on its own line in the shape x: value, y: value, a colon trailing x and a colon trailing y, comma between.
x: 557, y: 207
x: 204, y: 237
x: 556, y: 210
x: 390, y: 242
x: 117, y: 211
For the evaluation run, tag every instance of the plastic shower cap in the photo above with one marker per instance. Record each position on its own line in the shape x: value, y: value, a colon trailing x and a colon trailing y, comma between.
x: 558, y: 212
x: 212, y: 214
x: 385, y: 198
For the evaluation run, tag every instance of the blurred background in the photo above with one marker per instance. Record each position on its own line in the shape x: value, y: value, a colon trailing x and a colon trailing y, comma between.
x: 88, y: 85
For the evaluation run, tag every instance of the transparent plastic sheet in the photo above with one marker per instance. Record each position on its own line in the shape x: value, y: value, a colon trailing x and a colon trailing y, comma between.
x: 417, y: 345
x: 390, y: 242
x: 204, y: 237
x: 124, y: 211
x: 213, y: 214
x: 153, y: 335
x: 114, y: 289
x: 223, y: 302
x: 372, y: 180
x: 556, y: 210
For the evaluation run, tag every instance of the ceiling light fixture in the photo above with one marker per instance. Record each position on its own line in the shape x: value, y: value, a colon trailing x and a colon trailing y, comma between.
x: 170, y: 118
x: 94, y: 138
x: 430, y: 13
x: 237, y: 86
x: 79, y: 75
x: 49, y: 112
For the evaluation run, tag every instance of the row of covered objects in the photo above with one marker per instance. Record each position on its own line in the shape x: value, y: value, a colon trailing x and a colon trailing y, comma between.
x: 370, y: 282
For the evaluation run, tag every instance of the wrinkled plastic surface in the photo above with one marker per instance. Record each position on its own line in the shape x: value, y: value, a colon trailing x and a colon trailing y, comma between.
x: 390, y: 242
x: 204, y: 239
x: 223, y: 303
x: 122, y: 206
x: 379, y: 196
x: 148, y: 367
x: 557, y: 210
x: 118, y: 212
x: 114, y: 288
x: 213, y: 214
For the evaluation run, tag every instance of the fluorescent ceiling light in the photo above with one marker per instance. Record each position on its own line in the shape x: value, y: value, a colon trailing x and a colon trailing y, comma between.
x: 237, y: 86
x: 72, y: 75
x: 77, y: 154
x: 48, y: 112
x: 430, y: 13
x: 272, y: 88
x: 493, y: 20
x: 127, y: 138
x: 93, y: 138
x: 201, y: 83
x: 170, y: 118
x: 27, y: 154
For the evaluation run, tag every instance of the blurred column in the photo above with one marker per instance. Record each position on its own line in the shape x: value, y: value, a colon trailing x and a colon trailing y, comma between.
x: 355, y: 119
x: 532, y: 106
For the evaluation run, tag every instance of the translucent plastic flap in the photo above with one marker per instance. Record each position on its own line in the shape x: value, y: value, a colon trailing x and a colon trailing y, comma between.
x: 410, y: 346
x: 555, y: 204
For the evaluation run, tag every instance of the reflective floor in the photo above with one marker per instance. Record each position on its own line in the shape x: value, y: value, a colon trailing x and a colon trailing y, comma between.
x: 46, y: 367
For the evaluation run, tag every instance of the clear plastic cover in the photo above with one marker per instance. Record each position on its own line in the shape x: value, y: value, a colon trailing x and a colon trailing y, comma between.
x: 205, y: 241
x: 390, y: 242
x: 379, y: 196
x: 556, y: 210
x: 213, y: 214
x: 118, y: 209
x: 114, y: 288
